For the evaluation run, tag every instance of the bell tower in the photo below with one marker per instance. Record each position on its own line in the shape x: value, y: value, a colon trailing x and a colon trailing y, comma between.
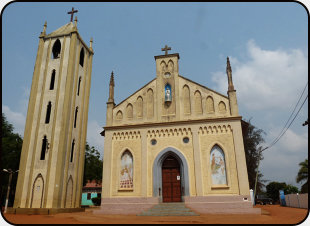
x: 167, y: 72
x: 52, y: 158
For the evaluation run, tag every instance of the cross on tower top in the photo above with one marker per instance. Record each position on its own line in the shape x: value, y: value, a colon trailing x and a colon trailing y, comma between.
x: 72, y: 12
x: 166, y: 49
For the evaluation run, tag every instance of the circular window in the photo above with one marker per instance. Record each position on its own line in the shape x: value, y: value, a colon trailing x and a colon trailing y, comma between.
x: 153, y: 142
x: 185, y: 140
x: 167, y: 75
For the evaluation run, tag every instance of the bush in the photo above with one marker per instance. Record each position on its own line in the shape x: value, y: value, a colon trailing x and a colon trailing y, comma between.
x: 96, y: 201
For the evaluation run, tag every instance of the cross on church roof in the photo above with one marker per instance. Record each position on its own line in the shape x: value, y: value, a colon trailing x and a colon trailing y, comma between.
x: 166, y: 49
x: 72, y: 12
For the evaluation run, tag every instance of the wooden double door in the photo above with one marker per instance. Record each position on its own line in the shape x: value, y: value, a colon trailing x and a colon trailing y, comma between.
x: 171, y: 180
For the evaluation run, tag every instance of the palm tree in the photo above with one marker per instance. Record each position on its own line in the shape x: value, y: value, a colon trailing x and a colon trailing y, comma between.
x: 303, y: 175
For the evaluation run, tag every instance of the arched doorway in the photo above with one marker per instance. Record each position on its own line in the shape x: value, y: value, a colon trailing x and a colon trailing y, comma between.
x: 171, y: 180
x: 157, y: 172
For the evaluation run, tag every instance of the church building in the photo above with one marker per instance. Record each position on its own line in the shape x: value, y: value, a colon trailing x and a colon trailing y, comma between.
x: 174, y: 140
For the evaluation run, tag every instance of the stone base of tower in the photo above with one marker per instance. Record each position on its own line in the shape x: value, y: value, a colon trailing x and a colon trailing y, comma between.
x: 134, y: 205
x: 43, y: 211
x: 236, y: 204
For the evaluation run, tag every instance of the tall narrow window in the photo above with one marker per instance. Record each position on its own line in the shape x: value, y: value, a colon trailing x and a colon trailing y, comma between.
x: 56, y: 49
x: 76, y: 111
x: 48, y: 112
x: 82, y: 57
x: 44, y: 145
x: 78, y: 93
x: 72, y: 149
x: 52, y: 80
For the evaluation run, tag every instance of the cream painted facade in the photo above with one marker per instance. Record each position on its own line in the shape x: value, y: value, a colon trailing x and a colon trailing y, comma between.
x: 204, y: 117
x: 53, y: 152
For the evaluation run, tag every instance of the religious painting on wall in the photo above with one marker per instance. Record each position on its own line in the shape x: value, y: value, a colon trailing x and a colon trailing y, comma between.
x: 126, y: 173
x: 218, y: 169
x: 168, y: 96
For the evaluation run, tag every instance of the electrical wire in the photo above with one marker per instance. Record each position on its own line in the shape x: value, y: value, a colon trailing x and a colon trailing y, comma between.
x: 290, y: 115
x: 286, y: 128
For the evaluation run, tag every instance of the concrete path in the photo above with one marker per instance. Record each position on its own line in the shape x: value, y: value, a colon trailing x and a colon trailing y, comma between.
x: 169, y: 209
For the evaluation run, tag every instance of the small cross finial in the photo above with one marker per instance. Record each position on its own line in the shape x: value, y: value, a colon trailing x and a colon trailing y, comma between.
x: 72, y: 12
x: 166, y: 49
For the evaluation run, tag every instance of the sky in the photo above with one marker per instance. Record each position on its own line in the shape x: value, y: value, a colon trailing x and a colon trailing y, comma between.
x: 267, y: 44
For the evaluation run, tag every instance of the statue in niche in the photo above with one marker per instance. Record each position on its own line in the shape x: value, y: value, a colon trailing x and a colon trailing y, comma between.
x: 168, y: 96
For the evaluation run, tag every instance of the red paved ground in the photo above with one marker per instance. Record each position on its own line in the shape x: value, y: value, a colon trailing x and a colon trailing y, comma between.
x: 271, y: 214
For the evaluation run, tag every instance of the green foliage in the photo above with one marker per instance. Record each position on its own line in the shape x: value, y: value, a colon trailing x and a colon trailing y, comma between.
x: 10, y: 156
x: 96, y: 201
x: 252, y: 138
x: 290, y: 189
x: 272, y: 189
x: 93, y: 165
x: 303, y: 175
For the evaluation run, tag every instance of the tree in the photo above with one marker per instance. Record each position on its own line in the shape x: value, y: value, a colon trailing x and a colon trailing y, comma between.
x: 290, y: 189
x: 303, y: 175
x: 93, y: 165
x: 10, y: 156
x: 252, y: 138
x: 272, y: 189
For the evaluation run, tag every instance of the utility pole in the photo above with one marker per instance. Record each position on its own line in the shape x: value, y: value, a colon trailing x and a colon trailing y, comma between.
x: 9, y: 186
x: 257, y: 174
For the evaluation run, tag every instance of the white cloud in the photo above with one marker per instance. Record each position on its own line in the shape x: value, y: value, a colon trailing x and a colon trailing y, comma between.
x: 290, y: 142
x: 93, y: 135
x: 268, y: 86
x: 268, y: 79
x: 17, y: 119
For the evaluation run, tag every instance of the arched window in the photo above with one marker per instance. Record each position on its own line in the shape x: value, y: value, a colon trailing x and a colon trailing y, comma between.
x: 82, y: 57
x: 72, y: 149
x: 76, y: 111
x: 186, y: 100
x: 48, y: 112
x: 43, y: 149
x: 78, y: 92
x: 139, y: 107
x: 222, y: 107
x: 119, y: 115
x: 168, y: 94
x: 129, y: 111
x: 210, y: 104
x: 52, y: 80
x: 198, y: 103
x: 218, y: 166
x: 56, y: 49
x: 126, y: 171
x: 150, y: 104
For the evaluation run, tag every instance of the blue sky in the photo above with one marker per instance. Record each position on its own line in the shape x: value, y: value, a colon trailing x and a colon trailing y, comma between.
x: 266, y: 42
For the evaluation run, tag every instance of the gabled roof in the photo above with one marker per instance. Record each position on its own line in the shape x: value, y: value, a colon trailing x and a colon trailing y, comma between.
x: 64, y: 30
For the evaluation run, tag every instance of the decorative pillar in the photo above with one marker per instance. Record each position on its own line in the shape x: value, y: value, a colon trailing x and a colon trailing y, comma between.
x: 110, y: 103
x: 231, y: 92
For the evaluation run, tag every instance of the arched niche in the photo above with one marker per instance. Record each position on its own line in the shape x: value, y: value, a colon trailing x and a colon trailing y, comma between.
x: 218, y: 166
x: 126, y: 171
